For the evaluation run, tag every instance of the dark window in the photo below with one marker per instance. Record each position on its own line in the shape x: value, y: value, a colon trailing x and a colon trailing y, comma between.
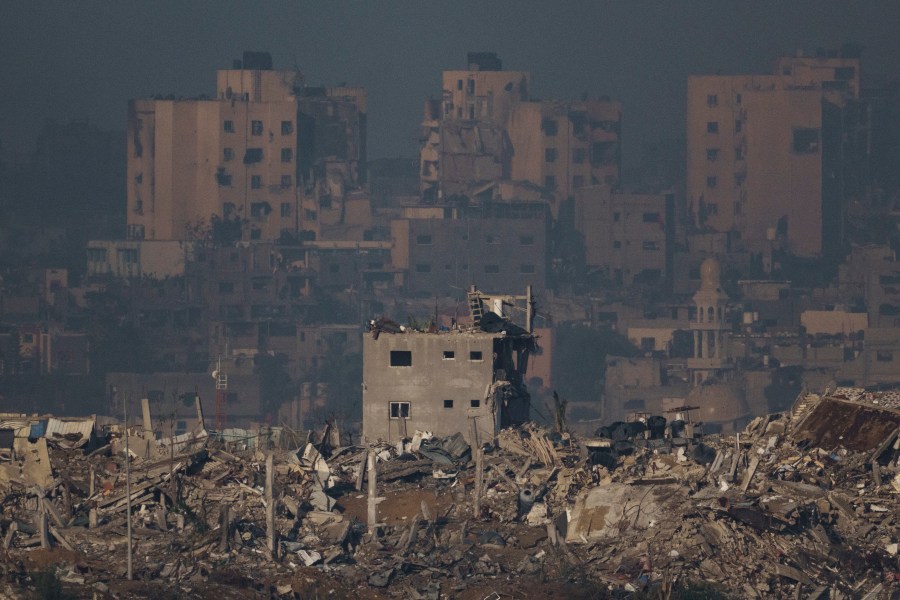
x: 634, y: 403
x: 806, y: 140
x: 228, y: 126
x: 260, y: 209
x: 578, y: 181
x: 616, y: 217
x: 226, y: 287
x: 255, y: 234
x: 448, y: 403
x: 712, y: 153
x: 287, y: 155
x: 578, y: 155
x: 526, y: 240
x: 884, y: 356
x: 712, y: 127
x: 256, y: 127
x: 285, y: 209
x: 253, y: 155
x: 651, y: 245
x: 712, y: 100
x: 287, y: 127
x: 222, y: 177
x: 459, y: 84
x: 470, y: 84
x: 651, y: 217
x: 423, y: 268
x: 737, y: 98
x: 710, y: 182
x: 475, y: 355
x: 550, y: 182
x: 423, y: 240
x: 526, y: 269
x: 550, y: 155
x: 739, y: 153
x: 401, y: 358
x: 256, y: 181
x: 449, y: 355
x: 491, y: 268
x: 738, y: 126
x: 845, y: 73
x: 617, y: 244
x: 400, y: 410
x: 549, y: 126
x: 286, y: 181
x: 475, y: 403
x: 492, y: 239
x: 228, y: 154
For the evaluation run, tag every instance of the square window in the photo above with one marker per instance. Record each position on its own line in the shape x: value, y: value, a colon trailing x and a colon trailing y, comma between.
x: 228, y: 126
x: 401, y: 358
x: 711, y: 182
x: 400, y: 410
x: 578, y: 155
x: 287, y: 127
x: 228, y: 154
x: 286, y: 181
x: 256, y: 127
x: 256, y: 182
x: 549, y: 126
x: 449, y: 355
x: 712, y: 153
x: 578, y: 181
x: 550, y: 182
x: 287, y: 155
x: 617, y: 244
x: 550, y: 155
x: 475, y: 403
x: 712, y: 127
x: 253, y: 155
x: 712, y: 100
x: 475, y: 355
x: 448, y: 403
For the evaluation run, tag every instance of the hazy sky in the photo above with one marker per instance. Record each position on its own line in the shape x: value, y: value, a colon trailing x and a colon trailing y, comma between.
x: 71, y: 59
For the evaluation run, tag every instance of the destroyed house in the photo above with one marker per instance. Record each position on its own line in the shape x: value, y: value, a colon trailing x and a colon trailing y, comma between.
x: 467, y: 381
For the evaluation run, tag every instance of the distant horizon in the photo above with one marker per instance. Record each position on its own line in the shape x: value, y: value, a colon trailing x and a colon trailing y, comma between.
x: 106, y: 54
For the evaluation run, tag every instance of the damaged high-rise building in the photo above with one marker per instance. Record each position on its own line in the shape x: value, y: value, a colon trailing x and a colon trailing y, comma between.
x: 254, y: 162
x: 487, y: 128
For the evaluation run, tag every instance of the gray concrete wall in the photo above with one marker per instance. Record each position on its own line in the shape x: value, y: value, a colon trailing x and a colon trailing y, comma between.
x: 426, y: 384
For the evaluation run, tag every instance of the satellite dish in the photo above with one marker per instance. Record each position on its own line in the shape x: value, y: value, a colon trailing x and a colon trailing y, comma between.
x: 215, y: 374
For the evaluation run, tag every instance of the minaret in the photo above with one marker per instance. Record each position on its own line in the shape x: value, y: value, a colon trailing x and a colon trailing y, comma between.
x: 712, y: 356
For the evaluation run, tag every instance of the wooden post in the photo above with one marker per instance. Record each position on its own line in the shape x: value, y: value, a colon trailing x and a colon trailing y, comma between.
x: 225, y: 525
x: 148, y: 422
x: 372, y: 492
x: 479, y: 480
x: 42, y: 525
x: 270, y: 504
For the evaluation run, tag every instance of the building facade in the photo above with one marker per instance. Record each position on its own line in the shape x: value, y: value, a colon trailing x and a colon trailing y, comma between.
x: 251, y: 163
x: 760, y: 159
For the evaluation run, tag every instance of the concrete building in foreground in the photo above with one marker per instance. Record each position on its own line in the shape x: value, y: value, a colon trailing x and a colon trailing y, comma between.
x: 466, y: 381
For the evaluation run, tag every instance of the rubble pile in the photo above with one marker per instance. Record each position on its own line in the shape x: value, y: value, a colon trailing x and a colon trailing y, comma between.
x: 802, y: 504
